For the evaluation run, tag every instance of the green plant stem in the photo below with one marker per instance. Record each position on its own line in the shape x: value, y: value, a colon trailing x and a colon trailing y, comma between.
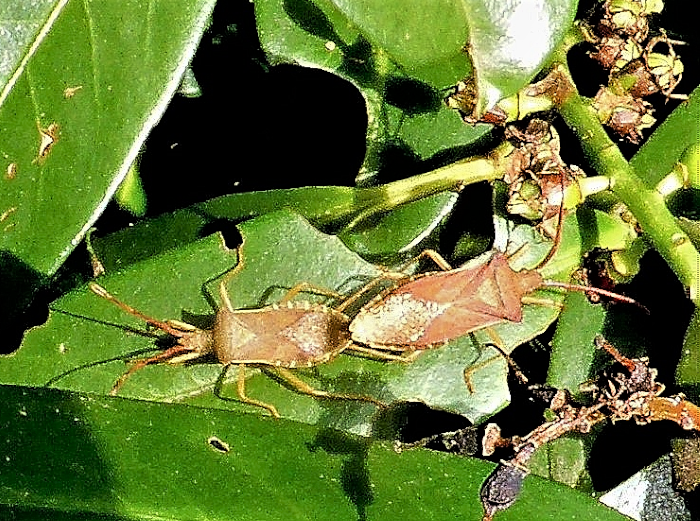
x: 647, y: 205
x: 383, y: 198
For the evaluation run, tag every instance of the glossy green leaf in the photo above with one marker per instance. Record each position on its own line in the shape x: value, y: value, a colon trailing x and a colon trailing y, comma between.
x: 74, y: 357
x: 562, y: 460
x: 93, y: 82
x: 400, y: 56
x: 510, y: 42
x: 130, y: 195
x: 328, y: 207
x: 688, y: 370
x: 412, y: 37
x: 403, y: 230
x: 403, y: 55
x: 77, y: 456
x: 321, y: 205
x: 405, y: 33
x: 85, y: 340
x: 430, y: 132
x: 22, y: 28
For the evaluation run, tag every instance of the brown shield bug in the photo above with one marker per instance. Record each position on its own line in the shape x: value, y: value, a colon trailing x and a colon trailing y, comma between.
x: 282, y: 336
x: 430, y: 309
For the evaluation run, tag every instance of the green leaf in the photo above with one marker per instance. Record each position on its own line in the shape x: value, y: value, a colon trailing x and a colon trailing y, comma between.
x: 403, y: 230
x: 85, y: 340
x: 130, y: 195
x: 97, y: 76
x: 573, y: 349
x: 403, y: 55
x: 321, y: 205
x: 22, y: 27
x: 421, y: 201
x: 424, y: 41
x: 80, y: 456
x: 427, y: 133
x: 562, y: 460
x: 73, y: 356
x: 688, y: 370
x: 510, y: 42
x: 417, y: 35
x: 400, y: 56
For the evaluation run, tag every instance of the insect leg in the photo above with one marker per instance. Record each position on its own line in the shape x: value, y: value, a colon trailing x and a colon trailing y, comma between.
x: 385, y: 355
x: 302, y: 387
x: 305, y: 287
x: 242, y: 396
x: 536, y: 301
x: 434, y: 256
x: 223, y: 294
x: 176, y: 352
x: 497, y: 345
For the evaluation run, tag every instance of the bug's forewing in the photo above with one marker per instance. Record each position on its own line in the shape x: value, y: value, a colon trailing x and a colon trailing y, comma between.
x: 285, y: 337
x: 441, y: 306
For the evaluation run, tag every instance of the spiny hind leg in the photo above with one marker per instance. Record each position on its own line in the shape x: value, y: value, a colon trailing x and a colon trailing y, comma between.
x: 242, y: 396
x: 302, y: 387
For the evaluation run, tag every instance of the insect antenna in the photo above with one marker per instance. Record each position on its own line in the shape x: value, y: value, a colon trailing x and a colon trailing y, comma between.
x: 560, y: 227
x: 163, y: 326
x: 598, y: 291
x: 577, y: 287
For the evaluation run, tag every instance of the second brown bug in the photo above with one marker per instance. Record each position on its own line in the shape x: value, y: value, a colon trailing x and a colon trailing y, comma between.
x: 430, y: 309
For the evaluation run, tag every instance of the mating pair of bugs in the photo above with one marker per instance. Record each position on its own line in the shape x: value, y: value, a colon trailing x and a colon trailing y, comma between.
x: 415, y: 313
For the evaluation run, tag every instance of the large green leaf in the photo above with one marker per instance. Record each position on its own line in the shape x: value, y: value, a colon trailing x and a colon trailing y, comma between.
x: 99, y: 74
x: 83, y: 344
x: 403, y: 230
x: 21, y: 29
x: 74, y: 456
x: 402, y: 83
x: 417, y: 35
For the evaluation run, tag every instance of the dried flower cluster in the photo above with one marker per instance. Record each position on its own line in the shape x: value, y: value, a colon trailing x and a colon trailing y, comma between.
x: 619, y: 32
x: 536, y: 175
